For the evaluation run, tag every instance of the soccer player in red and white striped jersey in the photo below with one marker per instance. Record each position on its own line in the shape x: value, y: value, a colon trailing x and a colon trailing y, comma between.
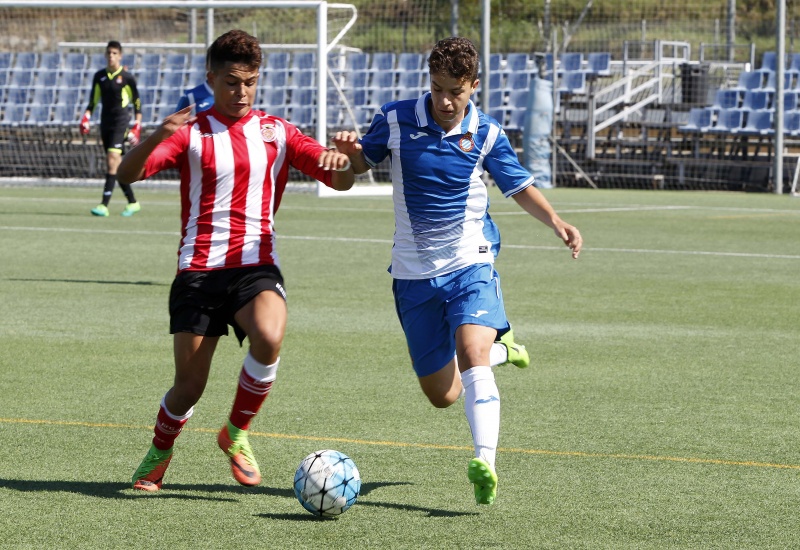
x: 234, y: 164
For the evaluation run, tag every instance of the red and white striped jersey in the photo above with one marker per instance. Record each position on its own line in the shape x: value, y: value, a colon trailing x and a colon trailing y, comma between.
x: 233, y: 174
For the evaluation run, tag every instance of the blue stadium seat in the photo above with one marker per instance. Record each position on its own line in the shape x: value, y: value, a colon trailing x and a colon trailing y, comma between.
x: 382, y: 80
x: 302, y: 96
x: 518, y: 99
x: 516, y: 120
x: 755, y: 100
x: 21, y: 79
x: 97, y: 61
x: 50, y: 61
x: 47, y: 79
x: 39, y: 114
x: 726, y: 99
x: 499, y: 114
x: 382, y: 61
x: 357, y: 79
x: 304, y: 60
x: 356, y: 61
x: 198, y: 62
x: 70, y: 97
x: 75, y: 61
x: 598, y: 64
x: 172, y: 80
x: 271, y: 98
x: 148, y: 79
x: 363, y: 118
x: 278, y: 60
x: 408, y: 93
x: 791, y: 123
x: 791, y: 100
x: 74, y: 79
x: 759, y: 123
x: 43, y: 96
x: 495, y: 62
x: 305, y: 78
x: 770, y: 85
x: 769, y: 62
x: 571, y: 61
x: 381, y: 96
x: 729, y: 121
x: 516, y: 62
x: 408, y: 61
x: 25, y: 61
x: 147, y: 96
x: 150, y: 62
x: 497, y: 81
x: 410, y: 80
x: 5, y: 61
x: 357, y: 97
x: 520, y: 81
x: 573, y: 82
x: 749, y: 80
x: 14, y: 115
x: 129, y: 61
x: 273, y: 78
x: 17, y: 96
x: 302, y: 116
x: 63, y: 114
x: 170, y: 96
x: 497, y: 98
x: 175, y: 62
x: 700, y: 120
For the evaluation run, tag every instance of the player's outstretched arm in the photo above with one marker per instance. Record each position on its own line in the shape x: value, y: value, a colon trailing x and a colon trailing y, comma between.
x: 347, y: 143
x: 534, y: 203
x: 131, y: 169
x: 343, y: 177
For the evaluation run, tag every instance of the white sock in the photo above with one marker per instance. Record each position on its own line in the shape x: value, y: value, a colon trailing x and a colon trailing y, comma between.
x: 498, y: 354
x: 260, y: 371
x: 482, y: 407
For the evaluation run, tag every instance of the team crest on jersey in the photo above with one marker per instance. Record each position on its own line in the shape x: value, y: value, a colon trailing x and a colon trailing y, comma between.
x: 466, y: 142
x: 268, y: 132
x: 119, y: 79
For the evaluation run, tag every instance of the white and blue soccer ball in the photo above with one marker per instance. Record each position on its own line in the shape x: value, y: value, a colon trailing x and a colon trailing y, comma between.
x: 327, y: 483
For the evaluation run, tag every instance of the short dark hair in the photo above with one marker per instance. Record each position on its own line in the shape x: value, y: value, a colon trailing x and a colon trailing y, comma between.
x: 456, y: 57
x: 234, y: 46
x: 114, y: 44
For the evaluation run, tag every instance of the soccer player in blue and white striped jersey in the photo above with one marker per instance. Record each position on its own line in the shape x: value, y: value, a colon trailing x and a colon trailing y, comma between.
x: 447, y: 293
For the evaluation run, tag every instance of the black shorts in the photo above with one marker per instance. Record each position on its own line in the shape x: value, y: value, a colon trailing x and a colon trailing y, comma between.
x: 205, y: 302
x: 113, y: 136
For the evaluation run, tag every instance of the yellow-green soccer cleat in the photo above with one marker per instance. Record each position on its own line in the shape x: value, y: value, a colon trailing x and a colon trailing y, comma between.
x: 150, y: 474
x: 483, y: 477
x: 517, y: 354
x: 100, y: 210
x: 131, y: 209
x: 243, y: 464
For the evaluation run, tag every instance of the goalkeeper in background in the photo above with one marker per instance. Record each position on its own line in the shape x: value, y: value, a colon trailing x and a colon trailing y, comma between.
x: 115, y: 88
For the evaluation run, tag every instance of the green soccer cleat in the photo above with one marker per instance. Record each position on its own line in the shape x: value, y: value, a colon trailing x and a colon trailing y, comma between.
x: 482, y: 476
x: 100, y: 210
x: 243, y: 463
x: 131, y: 209
x: 150, y: 474
x: 517, y: 354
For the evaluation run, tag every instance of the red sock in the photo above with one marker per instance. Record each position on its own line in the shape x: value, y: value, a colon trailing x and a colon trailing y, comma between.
x: 168, y: 428
x: 250, y: 395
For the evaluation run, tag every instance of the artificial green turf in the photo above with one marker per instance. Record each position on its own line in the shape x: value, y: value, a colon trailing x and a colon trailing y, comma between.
x: 660, y: 411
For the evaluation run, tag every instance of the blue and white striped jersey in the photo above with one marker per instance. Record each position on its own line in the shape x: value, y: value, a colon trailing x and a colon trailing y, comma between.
x: 441, y: 204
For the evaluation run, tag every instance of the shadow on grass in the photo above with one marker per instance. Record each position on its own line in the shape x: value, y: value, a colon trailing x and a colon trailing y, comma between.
x: 89, y: 282
x: 225, y: 493
x: 366, y: 489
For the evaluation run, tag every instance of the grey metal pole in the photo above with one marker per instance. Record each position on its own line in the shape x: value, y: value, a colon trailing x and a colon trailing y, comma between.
x: 486, y: 51
x: 780, y: 51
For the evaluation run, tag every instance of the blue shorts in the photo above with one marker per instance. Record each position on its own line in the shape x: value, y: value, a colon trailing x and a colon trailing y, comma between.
x: 430, y: 311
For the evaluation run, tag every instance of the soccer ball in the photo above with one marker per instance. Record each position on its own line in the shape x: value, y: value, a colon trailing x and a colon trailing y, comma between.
x: 327, y: 483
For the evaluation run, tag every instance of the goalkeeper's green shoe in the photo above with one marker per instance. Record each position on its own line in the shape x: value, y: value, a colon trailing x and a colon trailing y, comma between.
x: 517, y: 354
x: 483, y: 477
x: 150, y: 474
x: 100, y: 210
x: 243, y: 464
x: 131, y: 209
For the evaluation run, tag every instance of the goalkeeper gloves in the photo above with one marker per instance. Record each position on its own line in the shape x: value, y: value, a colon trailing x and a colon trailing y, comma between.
x: 85, y: 124
x: 134, y: 134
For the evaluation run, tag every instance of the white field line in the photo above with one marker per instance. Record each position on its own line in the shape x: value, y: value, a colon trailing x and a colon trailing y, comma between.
x: 389, y: 242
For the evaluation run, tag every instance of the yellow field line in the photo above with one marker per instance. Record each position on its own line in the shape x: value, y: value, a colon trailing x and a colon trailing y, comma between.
x: 577, y: 454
